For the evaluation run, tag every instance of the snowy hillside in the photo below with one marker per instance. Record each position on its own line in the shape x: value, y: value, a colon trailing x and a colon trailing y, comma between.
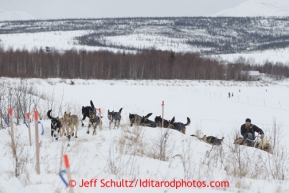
x: 256, y: 8
x: 132, y: 153
x: 229, y: 37
x: 259, y: 57
x: 14, y: 16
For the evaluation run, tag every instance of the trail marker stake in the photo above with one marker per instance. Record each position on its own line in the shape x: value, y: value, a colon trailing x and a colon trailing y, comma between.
x: 67, y: 166
x: 37, y: 142
x: 29, y: 131
x: 6, y: 120
x: 62, y: 178
x: 163, y: 106
x: 12, y: 133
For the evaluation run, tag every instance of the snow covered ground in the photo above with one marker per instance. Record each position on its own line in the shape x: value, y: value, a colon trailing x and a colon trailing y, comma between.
x: 260, y: 57
x: 65, y: 40
x: 59, y: 40
x: 131, y: 153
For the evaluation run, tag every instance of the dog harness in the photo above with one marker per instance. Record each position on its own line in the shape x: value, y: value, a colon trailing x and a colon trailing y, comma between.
x: 216, y: 140
x: 151, y: 124
x: 94, y: 120
x: 111, y: 116
x: 178, y: 126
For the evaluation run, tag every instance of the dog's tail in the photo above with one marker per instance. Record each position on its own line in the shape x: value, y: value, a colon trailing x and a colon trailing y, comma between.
x: 148, y: 115
x: 188, y: 121
x: 91, y: 104
x: 196, y: 137
x: 49, y: 116
x: 120, y: 110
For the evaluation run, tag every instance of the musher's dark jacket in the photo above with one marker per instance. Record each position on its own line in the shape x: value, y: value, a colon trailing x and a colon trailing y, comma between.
x: 252, y: 129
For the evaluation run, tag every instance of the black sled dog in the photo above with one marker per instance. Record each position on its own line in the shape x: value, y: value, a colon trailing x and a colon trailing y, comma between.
x: 85, y: 111
x: 56, y: 125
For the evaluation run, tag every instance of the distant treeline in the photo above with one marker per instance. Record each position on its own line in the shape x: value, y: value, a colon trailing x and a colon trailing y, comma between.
x: 145, y: 64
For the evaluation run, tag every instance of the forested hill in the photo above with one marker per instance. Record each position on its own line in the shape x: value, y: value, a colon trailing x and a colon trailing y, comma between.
x: 209, y: 35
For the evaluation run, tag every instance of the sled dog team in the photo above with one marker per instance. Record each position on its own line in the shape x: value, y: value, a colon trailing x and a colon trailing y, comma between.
x: 68, y: 125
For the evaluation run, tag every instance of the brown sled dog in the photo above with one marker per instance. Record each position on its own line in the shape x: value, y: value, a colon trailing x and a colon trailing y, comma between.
x: 138, y: 120
x: 72, y: 123
x: 167, y: 123
x: 181, y: 127
x: 212, y: 140
x: 94, y: 121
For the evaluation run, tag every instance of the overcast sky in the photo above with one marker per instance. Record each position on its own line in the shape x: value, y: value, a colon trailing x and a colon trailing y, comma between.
x: 52, y: 9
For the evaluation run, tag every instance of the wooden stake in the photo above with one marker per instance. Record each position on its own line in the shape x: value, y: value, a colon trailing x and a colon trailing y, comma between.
x: 37, y: 142
x: 29, y: 130
x: 163, y: 106
x: 12, y: 133
x: 100, y: 123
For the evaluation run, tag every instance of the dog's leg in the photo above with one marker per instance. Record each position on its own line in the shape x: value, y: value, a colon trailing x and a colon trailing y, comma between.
x: 56, y: 134
x: 114, y: 124
x: 68, y: 132
x: 65, y: 131
x: 52, y: 132
x: 184, y: 130
x: 76, y: 129
x: 109, y: 125
x: 89, y: 125
x: 94, y: 129
x: 72, y: 130
x: 84, y: 116
x: 61, y: 132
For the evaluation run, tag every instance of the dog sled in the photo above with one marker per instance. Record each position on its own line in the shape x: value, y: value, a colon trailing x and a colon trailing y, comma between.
x: 257, y: 143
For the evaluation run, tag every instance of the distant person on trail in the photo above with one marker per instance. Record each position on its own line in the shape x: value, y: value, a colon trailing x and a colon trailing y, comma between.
x: 232, y: 94
x: 229, y: 94
x: 248, y: 130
